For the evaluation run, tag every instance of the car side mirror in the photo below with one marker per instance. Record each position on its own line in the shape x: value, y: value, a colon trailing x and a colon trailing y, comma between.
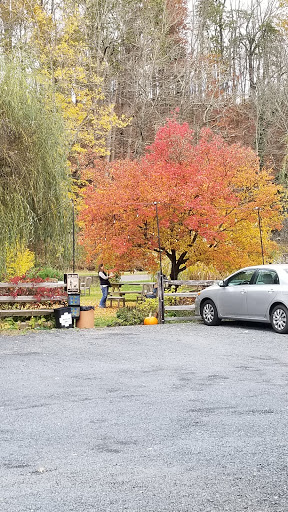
x: 222, y: 284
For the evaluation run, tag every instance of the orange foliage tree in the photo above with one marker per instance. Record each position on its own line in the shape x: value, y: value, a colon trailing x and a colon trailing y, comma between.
x: 207, y: 195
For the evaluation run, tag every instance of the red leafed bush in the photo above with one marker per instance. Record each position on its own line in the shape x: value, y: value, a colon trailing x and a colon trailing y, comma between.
x: 39, y: 293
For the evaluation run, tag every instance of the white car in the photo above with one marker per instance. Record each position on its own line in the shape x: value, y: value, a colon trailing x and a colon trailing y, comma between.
x: 258, y: 293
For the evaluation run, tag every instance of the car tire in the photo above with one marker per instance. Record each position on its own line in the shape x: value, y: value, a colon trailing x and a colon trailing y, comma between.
x: 209, y: 313
x: 279, y: 319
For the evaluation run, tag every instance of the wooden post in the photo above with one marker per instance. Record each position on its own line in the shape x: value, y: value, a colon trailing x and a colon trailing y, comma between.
x: 73, y: 237
x: 161, y: 311
x: 160, y: 274
x: 260, y: 231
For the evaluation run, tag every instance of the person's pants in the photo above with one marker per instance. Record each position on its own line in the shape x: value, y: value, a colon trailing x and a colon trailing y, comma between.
x: 104, y: 290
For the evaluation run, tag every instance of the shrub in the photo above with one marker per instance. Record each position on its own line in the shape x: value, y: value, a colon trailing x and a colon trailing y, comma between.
x: 12, y: 323
x: 39, y: 293
x: 128, y: 316
x: 148, y: 307
x: 200, y: 271
x: 135, y: 315
x: 45, y: 273
x: 19, y: 260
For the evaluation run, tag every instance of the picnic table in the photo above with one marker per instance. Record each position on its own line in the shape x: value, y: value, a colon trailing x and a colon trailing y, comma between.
x: 121, y: 294
x: 118, y: 286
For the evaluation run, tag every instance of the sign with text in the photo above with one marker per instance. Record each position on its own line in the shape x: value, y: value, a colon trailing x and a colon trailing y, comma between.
x: 72, y: 281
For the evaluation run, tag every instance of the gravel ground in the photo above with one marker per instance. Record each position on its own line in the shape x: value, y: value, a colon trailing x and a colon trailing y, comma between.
x: 174, y: 418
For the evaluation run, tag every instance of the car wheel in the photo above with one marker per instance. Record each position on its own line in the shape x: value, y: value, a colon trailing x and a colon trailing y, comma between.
x: 279, y: 319
x: 209, y: 313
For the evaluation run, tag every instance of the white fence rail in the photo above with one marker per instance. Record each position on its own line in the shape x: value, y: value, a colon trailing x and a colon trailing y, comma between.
x: 164, y: 290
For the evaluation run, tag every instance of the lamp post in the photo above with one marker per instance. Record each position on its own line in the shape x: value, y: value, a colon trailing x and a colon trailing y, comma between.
x: 260, y: 232
x: 73, y: 237
x: 160, y: 281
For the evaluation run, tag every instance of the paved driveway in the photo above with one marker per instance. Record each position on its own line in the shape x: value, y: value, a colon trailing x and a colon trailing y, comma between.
x: 143, y: 276
x: 166, y: 418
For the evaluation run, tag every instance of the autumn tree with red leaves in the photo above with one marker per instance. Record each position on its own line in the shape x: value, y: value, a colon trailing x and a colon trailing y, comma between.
x: 206, y: 193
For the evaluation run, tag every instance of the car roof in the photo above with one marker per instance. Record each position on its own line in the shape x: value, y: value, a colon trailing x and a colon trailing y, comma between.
x: 273, y: 266
x: 270, y: 266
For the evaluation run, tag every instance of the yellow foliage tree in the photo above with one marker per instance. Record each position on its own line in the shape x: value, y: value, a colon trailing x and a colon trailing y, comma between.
x: 241, y: 243
x: 19, y: 260
x: 60, y: 48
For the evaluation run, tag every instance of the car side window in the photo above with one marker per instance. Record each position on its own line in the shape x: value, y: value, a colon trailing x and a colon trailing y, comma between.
x: 243, y: 277
x: 267, y: 277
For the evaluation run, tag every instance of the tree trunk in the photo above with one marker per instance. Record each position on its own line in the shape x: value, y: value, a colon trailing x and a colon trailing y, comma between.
x: 177, y: 264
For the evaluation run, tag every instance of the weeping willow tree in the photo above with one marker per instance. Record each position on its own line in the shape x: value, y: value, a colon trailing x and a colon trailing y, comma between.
x: 35, y: 209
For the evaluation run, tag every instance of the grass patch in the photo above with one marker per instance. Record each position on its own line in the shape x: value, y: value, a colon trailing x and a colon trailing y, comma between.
x: 105, y: 317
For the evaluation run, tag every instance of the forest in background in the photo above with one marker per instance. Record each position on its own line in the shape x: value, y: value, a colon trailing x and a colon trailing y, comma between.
x: 96, y: 79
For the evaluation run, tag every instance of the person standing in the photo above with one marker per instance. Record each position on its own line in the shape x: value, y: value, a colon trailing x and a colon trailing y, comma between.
x: 104, y: 284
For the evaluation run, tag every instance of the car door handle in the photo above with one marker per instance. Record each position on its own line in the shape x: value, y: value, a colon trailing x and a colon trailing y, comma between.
x: 270, y: 291
x: 243, y: 291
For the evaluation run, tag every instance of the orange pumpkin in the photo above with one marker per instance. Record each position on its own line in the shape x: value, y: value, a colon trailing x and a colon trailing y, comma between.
x: 150, y: 320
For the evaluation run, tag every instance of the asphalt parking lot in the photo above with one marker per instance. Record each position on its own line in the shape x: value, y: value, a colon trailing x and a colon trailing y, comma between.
x: 167, y: 418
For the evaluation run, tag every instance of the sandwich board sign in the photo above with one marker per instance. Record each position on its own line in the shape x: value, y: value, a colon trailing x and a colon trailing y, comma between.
x: 72, y: 281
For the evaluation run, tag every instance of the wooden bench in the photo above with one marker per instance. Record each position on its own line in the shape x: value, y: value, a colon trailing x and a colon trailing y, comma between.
x: 122, y: 295
x: 25, y: 312
x: 131, y: 292
x: 22, y: 299
x: 118, y: 299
